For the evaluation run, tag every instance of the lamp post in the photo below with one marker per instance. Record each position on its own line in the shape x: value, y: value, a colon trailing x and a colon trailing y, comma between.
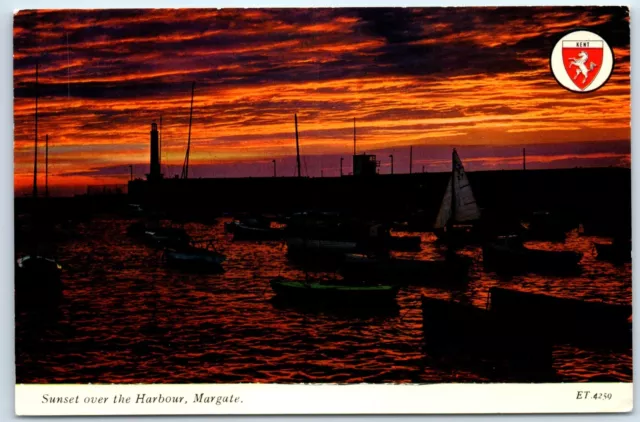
x: 391, y: 156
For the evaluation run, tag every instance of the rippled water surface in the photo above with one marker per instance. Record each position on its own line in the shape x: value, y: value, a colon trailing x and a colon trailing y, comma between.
x: 125, y: 318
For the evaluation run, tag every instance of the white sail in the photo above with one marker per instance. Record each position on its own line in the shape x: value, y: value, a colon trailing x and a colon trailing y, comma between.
x: 466, y: 208
x: 465, y: 205
x: 445, y: 209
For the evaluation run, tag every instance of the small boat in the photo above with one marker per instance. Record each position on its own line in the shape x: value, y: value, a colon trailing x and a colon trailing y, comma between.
x: 38, y: 270
x: 404, y: 243
x: 454, y: 268
x: 329, y: 234
x: 331, y: 292
x: 298, y: 244
x: 619, y: 251
x: 167, y: 236
x: 545, y: 226
x: 37, y: 281
x: 37, y: 277
x: 508, y: 254
x: 564, y: 319
x: 464, y: 332
x: 253, y: 229
x: 195, y: 259
x: 459, y: 214
x: 158, y: 235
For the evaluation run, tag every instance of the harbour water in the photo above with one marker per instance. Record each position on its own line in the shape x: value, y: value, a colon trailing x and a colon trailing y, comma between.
x: 126, y: 318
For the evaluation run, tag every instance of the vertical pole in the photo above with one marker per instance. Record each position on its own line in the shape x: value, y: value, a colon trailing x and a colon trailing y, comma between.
x: 423, y: 169
x: 185, y: 169
x: 453, y: 191
x: 35, y: 159
x: 354, y: 136
x: 160, y: 147
x: 68, y: 70
x: 391, y: 156
x: 341, y: 160
x: 524, y: 159
x: 274, y: 168
x: 321, y: 172
x: 410, y: 159
x: 295, y: 116
x: 131, y: 172
x: 46, y: 166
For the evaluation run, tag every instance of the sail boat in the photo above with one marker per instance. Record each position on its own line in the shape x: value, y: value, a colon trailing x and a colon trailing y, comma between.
x: 37, y: 277
x: 459, y: 211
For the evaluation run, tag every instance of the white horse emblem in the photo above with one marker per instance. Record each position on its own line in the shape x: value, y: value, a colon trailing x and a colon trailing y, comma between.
x: 579, y: 62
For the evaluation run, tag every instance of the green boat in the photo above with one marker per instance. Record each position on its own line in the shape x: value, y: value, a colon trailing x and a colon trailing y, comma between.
x: 355, y: 294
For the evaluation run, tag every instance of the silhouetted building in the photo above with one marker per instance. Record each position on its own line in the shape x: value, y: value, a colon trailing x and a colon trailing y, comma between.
x: 365, y: 165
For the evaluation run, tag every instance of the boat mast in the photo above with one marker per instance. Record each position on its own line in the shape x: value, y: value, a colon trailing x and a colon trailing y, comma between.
x: 35, y: 159
x: 295, y: 116
x: 185, y: 167
x: 160, y: 147
x: 453, y: 192
x: 46, y: 166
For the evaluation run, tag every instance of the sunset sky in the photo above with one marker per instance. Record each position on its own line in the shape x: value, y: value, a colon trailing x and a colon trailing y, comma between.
x: 477, y: 79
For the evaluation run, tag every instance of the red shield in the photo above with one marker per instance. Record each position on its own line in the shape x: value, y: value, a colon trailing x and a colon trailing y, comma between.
x: 582, y: 61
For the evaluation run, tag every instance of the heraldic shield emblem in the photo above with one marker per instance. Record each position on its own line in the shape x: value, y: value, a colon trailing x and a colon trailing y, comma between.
x: 582, y: 60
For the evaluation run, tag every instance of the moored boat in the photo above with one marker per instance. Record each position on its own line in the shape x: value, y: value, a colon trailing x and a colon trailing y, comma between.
x: 194, y: 259
x: 253, y: 229
x: 544, y: 225
x: 561, y: 317
x: 37, y: 281
x: 454, y: 268
x: 404, y: 243
x: 619, y: 251
x: 298, y: 244
x: 464, y: 332
x: 508, y: 254
x: 167, y: 236
x: 350, y: 294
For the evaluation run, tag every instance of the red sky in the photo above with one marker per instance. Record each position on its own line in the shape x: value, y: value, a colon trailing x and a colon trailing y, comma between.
x: 473, y: 78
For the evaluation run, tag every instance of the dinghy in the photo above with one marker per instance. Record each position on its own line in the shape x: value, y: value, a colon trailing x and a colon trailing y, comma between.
x: 459, y: 214
x: 545, y: 226
x: 331, y: 292
x: 454, y: 268
x: 253, y: 229
x: 618, y: 252
x: 191, y: 258
x: 463, y: 332
x: 38, y: 282
x: 404, y: 243
x: 589, y: 322
x: 508, y: 254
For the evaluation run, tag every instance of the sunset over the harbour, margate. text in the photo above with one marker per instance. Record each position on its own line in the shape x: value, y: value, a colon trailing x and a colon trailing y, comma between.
x: 431, y: 78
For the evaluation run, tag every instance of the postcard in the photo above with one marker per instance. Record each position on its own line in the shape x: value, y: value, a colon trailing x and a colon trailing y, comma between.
x: 322, y: 211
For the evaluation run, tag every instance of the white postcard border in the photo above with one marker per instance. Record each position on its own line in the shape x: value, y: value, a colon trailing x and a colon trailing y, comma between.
x: 23, y: 393
x: 318, y: 399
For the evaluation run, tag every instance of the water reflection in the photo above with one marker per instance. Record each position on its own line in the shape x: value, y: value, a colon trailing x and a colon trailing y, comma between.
x: 126, y: 318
